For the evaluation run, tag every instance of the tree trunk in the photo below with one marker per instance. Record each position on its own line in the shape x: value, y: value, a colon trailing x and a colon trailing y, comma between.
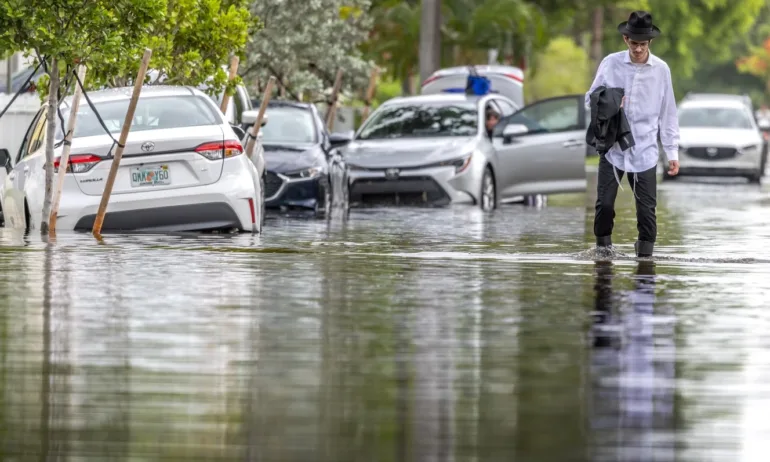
x: 406, y: 86
x: 53, y: 104
x: 430, y: 38
x: 597, y: 36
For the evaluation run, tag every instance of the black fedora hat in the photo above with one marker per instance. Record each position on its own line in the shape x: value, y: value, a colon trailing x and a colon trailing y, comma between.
x: 639, y: 27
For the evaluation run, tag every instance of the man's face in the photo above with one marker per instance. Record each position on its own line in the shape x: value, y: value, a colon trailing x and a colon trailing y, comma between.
x: 638, y: 50
x: 492, y: 120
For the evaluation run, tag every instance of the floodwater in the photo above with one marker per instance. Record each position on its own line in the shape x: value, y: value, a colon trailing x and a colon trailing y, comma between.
x: 398, y: 335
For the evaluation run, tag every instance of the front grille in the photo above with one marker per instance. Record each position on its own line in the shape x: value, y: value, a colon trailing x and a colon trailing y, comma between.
x: 712, y: 153
x: 272, y: 184
x: 413, y: 190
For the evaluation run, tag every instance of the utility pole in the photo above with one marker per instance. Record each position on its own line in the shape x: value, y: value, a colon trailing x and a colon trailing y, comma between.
x: 430, y: 38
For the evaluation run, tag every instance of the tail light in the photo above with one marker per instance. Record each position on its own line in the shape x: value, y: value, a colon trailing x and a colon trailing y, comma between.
x: 78, y: 163
x: 220, y: 149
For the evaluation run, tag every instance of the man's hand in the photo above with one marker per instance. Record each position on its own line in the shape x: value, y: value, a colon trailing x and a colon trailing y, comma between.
x: 673, y: 167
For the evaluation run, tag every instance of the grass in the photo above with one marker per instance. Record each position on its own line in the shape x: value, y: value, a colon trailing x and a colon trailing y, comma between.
x: 592, y: 161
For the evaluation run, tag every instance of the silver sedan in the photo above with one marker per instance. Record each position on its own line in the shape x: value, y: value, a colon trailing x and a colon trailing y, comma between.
x: 440, y: 149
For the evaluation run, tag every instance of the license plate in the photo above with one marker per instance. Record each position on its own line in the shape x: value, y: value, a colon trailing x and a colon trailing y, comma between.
x: 156, y: 175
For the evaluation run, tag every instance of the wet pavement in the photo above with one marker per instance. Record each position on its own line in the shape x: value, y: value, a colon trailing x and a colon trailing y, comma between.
x: 397, y: 335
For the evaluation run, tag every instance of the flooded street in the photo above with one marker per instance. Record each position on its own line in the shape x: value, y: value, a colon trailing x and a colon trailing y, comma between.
x: 398, y: 335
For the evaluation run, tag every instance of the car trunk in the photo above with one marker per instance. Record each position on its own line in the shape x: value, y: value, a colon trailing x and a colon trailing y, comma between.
x: 154, y: 160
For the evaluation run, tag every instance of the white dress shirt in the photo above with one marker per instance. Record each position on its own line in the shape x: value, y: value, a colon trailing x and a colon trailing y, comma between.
x: 650, y: 106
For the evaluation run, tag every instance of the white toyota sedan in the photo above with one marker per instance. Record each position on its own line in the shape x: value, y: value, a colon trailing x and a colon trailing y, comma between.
x: 719, y: 137
x: 183, y: 168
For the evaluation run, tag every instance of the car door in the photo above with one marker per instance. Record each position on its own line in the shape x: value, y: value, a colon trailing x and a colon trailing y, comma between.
x: 32, y: 172
x: 549, y: 157
x: 13, y: 192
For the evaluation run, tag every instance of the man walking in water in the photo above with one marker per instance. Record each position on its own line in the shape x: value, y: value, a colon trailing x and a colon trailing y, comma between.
x: 650, y: 108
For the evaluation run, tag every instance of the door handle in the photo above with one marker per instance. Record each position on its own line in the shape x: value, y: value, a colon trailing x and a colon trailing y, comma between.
x: 572, y: 143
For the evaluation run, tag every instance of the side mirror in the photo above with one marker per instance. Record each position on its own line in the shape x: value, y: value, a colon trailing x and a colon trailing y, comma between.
x: 249, y: 118
x: 511, y: 131
x: 5, y: 160
x: 338, y: 140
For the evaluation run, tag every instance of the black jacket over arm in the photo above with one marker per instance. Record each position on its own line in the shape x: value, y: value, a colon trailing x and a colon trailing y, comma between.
x: 608, y: 121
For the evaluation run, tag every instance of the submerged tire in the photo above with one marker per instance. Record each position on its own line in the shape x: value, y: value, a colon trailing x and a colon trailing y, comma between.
x: 488, y: 196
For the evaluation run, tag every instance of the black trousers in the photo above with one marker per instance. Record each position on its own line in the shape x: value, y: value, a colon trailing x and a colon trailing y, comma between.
x: 645, y: 188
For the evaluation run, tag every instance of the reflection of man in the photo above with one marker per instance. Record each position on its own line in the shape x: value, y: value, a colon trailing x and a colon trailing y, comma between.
x: 633, y: 370
x: 492, y: 117
x: 650, y: 108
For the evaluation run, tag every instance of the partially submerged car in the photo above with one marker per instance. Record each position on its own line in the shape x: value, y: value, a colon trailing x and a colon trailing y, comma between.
x: 304, y: 168
x: 507, y: 81
x: 183, y: 167
x: 438, y: 149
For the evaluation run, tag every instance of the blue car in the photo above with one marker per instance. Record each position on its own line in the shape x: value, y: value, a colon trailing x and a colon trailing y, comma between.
x: 304, y: 169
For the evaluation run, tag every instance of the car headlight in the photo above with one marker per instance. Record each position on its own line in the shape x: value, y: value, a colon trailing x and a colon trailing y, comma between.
x: 459, y: 164
x: 305, y: 173
x: 750, y: 149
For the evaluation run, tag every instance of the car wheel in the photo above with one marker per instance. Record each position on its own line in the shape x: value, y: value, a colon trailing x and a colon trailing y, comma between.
x: 323, y: 207
x: 488, y: 197
x: 755, y: 179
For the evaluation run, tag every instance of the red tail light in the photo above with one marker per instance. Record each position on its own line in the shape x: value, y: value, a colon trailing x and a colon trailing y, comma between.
x: 431, y: 79
x: 218, y: 149
x: 78, y: 163
x: 253, y: 212
x: 514, y: 77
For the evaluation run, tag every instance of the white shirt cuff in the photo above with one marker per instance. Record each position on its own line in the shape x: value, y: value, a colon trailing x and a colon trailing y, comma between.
x: 672, y: 155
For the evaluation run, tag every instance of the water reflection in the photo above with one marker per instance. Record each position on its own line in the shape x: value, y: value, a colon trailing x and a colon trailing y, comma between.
x: 633, y: 370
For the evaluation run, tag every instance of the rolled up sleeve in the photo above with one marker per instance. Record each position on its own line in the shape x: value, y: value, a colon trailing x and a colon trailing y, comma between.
x: 669, y: 121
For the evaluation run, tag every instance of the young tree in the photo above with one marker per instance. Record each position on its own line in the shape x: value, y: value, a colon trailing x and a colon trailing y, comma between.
x: 191, y: 41
x: 303, y: 43
x: 69, y: 31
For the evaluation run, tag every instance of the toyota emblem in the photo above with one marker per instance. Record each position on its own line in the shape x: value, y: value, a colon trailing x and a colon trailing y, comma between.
x: 148, y: 146
x: 392, y: 173
x: 712, y: 151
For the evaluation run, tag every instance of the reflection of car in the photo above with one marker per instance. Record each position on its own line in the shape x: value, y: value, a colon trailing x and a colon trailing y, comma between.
x: 719, y: 137
x: 435, y: 149
x: 182, y: 170
x: 304, y: 168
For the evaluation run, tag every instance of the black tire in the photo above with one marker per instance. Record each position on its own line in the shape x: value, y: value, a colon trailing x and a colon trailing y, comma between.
x: 755, y: 179
x: 763, y: 162
x: 323, y: 208
x: 488, y: 193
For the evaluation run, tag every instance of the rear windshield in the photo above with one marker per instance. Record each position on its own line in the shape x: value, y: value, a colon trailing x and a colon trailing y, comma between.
x: 152, y: 113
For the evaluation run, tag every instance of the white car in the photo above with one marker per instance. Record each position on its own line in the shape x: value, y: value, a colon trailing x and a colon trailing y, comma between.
x: 719, y: 137
x: 183, y: 167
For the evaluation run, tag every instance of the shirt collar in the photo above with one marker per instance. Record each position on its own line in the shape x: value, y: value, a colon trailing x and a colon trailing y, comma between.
x: 627, y: 58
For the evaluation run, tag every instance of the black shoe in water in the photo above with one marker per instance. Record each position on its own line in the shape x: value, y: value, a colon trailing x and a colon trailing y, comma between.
x: 643, y: 249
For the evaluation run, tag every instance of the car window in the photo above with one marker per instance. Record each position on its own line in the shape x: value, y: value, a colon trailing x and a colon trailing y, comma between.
x: 287, y: 124
x: 422, y: 120
x: 152, y: 113
x: 549, y: 116
x: 715, y: 117
x: 28, y: 136
x: 38, y: 136
x: 506, y: 107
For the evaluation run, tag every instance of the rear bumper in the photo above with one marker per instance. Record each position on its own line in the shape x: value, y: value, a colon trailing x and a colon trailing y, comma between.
x: 190, y: 217
x: 222, y: 205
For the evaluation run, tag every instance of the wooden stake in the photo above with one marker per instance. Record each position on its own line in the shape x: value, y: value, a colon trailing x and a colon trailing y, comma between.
x: 370, y: 93
x: 254, y: 131
x: 123, y: 138
x: 65, y: 155
x: 333, y: 106
x: 233, y: 74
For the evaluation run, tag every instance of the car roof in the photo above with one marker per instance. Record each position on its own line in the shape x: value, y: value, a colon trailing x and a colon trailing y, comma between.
x: 715, y: 103
x: 148, y: 91
x: 435, y: 98
x: 283, y: 103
